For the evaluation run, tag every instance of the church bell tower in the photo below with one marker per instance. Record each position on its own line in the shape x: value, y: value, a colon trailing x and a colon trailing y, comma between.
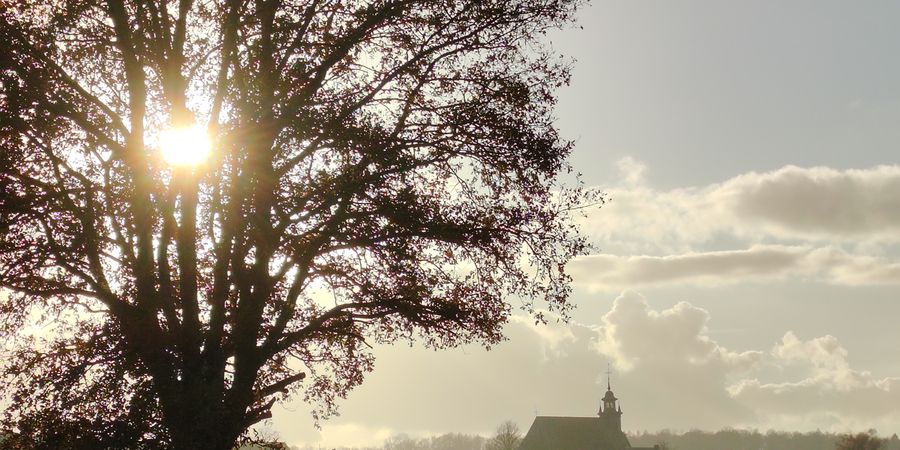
x: 610, y: 413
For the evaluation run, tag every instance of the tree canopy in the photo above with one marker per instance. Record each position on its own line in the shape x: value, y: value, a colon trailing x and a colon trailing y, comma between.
x: 860, y: 441
x: 380, y: 171
x: 507, y: 437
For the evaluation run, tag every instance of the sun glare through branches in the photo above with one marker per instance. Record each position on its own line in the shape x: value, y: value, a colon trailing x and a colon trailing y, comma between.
x: 185, y: 146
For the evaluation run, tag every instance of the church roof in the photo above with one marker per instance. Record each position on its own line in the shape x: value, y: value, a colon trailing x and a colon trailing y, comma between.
x: 572, y: 433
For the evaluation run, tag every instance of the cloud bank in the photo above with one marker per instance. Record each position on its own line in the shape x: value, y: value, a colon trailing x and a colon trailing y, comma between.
x: 669, y: 372
x: 792, y: 203
x: 757, y: 263
x: 831, y: 389
x: 818, y: 201
x: 816, y: 224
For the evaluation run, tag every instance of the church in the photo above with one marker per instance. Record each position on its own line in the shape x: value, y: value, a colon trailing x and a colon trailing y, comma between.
x: 603, y: 432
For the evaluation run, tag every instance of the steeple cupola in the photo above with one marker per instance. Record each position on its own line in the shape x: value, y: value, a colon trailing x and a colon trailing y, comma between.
x: 610, y: 412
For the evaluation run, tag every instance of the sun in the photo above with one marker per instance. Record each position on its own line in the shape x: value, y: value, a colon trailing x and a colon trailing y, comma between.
x: 185, y: 146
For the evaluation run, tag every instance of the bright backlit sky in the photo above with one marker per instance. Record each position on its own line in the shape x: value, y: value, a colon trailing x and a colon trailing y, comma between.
x: 749, y: 272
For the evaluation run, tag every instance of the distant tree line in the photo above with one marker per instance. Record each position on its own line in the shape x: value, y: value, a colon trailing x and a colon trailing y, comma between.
x: 507, y: 437
x: 449, y: 441
x: 731, y: 439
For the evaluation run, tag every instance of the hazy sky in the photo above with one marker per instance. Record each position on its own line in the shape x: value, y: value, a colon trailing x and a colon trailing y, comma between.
x: 749, y: 264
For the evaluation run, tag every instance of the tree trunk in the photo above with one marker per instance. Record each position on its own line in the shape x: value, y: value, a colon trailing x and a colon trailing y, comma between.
x: 199, y: 421
x: 204, y: 432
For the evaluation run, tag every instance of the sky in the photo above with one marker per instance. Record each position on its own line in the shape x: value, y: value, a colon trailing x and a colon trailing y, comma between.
x: 747, y: 270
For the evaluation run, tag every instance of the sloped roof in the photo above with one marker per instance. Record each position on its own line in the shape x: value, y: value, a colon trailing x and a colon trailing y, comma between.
x: 572, y: 433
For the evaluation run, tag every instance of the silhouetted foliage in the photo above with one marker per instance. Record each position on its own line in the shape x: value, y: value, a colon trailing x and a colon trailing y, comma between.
x: 507, y: 437
x: 752, y: 440
x: 860, y: 441
x: 382, y: 170
x: 454, y: 441
x: 699, y: 440
x: 263, y: 438
x: 43, y: 432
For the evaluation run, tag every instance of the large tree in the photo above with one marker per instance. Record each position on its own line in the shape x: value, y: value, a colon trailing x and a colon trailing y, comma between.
x: 507, y: 437
x: 860, y: 441
x: 381, y: 171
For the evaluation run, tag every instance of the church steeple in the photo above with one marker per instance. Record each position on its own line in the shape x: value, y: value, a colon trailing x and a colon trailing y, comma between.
x: 610, y: 413
x: 609, y: 400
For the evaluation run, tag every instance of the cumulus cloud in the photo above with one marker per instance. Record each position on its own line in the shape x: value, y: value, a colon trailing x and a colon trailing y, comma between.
x: 671, y: 356
x: 830, y: 389
x: 669, y: 372
x: 791, y: 204
x: 818, y: 201
x: 759, y: 262
x: 673, y: 374
x: 633, y: 334
x: 823, y: 354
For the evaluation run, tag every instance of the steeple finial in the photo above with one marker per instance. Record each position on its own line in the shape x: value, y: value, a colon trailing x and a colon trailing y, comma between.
x: 608, y: 374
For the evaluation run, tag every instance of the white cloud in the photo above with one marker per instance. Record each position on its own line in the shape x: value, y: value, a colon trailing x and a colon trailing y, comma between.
x: 639, y: 219
x: 830, y: 389
x: 633, y: 334
x: 789, y: 205
x: 677, y: 364
x: 759, y: 262
x: 631, y: 170
x: 615, y: 271
x: 553, y: 340
x: 818, y: 201
x: 824, y: 354
x: 674, y: 374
